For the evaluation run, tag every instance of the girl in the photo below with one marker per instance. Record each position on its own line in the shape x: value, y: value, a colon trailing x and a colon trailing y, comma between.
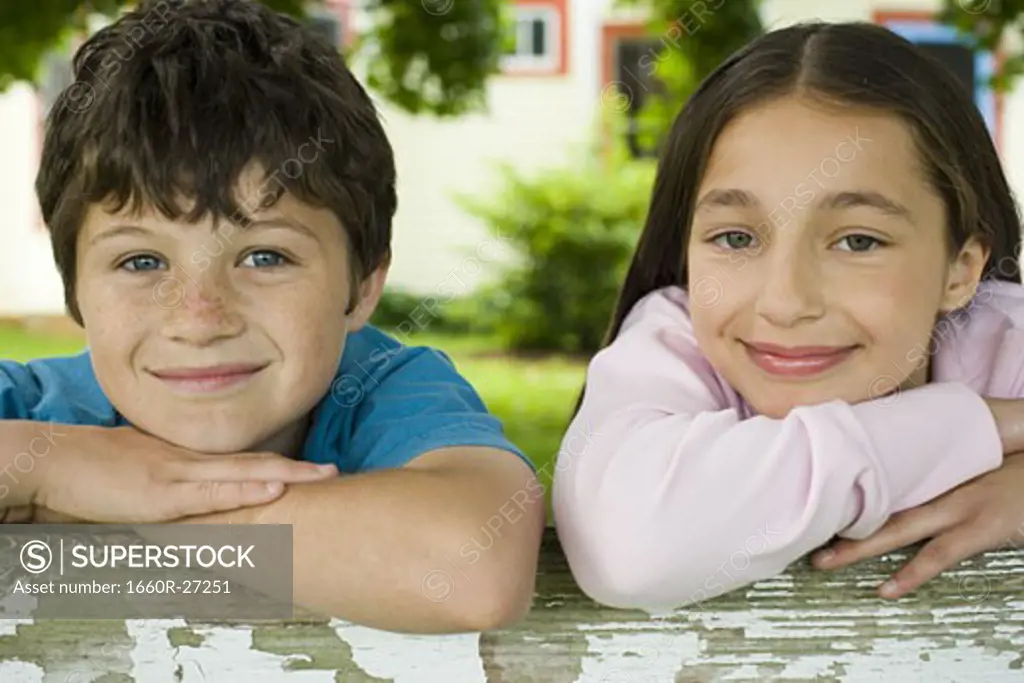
x: 823, y: 325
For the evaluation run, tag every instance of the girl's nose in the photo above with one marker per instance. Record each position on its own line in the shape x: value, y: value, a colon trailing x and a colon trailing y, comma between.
x: 791, y: 292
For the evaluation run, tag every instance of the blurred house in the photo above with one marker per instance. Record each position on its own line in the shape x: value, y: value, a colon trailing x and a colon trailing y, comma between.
x: 570, y: 59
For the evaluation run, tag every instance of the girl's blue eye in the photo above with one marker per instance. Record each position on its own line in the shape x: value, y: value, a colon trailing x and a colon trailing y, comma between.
x: 265, y: 259
x: 734, y: 239
x: 141, y: 263
x: 860, y: 243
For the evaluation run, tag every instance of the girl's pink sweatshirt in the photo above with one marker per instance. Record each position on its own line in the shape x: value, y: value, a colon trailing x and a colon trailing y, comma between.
x: 669, y: 490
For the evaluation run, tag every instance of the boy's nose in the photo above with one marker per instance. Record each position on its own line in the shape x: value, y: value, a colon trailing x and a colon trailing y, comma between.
x: 203, y: 311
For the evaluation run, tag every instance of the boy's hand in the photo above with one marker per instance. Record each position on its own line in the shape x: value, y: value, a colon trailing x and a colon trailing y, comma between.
x: 21, y: 514
x: 983, y: 514
x: 121, y: 475
x: 31, y: 514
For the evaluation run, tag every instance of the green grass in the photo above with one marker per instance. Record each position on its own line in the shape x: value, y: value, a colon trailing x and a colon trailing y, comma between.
x: 21, y: 345
x: 532, y: 397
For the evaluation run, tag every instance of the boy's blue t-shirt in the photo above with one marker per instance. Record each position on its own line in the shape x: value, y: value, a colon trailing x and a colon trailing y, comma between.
x: 388, y: 404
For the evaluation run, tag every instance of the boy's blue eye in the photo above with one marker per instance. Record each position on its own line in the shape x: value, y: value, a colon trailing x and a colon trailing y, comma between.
x: 734, y: 240
x: 141, y: 263
x: 860, y: 243
x: 264, y: 258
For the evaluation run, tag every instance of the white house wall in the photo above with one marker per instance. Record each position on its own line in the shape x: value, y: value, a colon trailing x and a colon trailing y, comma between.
x: 29, y: 284
x: 532, y: 122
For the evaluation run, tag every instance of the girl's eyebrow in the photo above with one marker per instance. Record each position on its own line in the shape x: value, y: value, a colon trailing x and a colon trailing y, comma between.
x: 736, y: 198
x: 730, y: 197
x: 870, y: 199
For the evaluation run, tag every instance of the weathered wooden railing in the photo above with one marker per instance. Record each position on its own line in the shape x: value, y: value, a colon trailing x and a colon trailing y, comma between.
x: 804, y: 625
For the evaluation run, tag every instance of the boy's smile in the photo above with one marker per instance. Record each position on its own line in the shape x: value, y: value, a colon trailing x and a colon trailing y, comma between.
x: 252, y: 338
x: 210, y: 379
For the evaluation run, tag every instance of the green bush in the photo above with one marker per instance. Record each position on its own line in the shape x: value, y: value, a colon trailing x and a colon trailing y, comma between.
x: 394, y: 307
x: 571, y: 234
x: 405, y: 311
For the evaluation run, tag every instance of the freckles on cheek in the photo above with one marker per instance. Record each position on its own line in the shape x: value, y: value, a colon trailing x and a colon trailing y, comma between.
x: 316, y: 335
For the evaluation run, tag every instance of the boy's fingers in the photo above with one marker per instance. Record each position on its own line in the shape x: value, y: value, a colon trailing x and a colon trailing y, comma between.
x: 942, y: 553
x: 253, y: 469
x: 204, y: 497
x: 902, y: 529
x: 251, y: 455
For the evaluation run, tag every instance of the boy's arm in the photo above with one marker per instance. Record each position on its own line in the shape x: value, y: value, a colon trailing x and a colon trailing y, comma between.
x: 53, y: 411
x: 120, y: 475
x: 448, y: 543
x: 23, y: 444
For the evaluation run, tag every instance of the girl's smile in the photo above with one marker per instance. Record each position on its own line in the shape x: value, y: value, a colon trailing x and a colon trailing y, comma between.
x: 827, y: 282
x: 797, y: 362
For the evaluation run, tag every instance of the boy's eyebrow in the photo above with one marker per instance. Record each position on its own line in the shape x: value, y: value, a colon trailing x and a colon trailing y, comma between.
x: 119, y: 230
x: 276, y: 222
x: 281, y: 222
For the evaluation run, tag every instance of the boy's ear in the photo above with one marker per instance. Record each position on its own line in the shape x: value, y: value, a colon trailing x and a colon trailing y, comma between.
x: 370, y: 291
x: 964, y: 274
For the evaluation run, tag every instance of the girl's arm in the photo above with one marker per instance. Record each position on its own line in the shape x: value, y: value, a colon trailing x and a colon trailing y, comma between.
x: 664, y: 496
x: 1009, y: 416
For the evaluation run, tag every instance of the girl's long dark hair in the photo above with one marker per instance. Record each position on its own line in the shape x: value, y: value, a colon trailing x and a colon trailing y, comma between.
x: 850, y: 64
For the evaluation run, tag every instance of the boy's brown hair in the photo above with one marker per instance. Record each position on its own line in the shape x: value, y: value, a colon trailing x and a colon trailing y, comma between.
x: 176, y: 98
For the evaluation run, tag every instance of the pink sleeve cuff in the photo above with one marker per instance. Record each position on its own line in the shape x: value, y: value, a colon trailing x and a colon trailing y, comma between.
x: 930, y: 440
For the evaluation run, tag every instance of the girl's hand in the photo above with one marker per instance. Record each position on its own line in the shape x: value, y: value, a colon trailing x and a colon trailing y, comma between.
x: 122, y: 475
x: 983, y: 514
x: 1008, y: 414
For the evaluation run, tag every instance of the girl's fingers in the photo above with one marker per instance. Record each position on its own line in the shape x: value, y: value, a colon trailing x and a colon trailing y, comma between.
x: 941, y: 553
x: 276, y: 469
x: 902, y: 529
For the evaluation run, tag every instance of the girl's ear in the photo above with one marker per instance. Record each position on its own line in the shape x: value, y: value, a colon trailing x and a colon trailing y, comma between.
x: 964, y: 274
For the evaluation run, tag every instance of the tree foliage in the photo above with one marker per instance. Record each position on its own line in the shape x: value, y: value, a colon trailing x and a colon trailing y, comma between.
x: 992, y: 24
x: 696, y: 35
x: 423, y: 55
x: 435, y: 55
x: 692, y: 37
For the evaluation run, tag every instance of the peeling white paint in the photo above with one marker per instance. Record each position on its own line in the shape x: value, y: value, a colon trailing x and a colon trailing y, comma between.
x: 226, y: 654
x: 414, y: 659
x: 960, y: 637
x: 20, y: 672
x: 649, y: 656
x: 153, y: 658
x: 9, y: 627
x: 898, y: 660
x: 18, y: 603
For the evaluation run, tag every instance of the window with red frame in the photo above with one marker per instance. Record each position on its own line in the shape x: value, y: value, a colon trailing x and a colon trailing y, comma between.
x: 535, y: 45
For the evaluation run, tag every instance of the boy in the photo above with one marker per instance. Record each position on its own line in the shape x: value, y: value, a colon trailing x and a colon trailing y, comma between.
x: 219, y: 193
